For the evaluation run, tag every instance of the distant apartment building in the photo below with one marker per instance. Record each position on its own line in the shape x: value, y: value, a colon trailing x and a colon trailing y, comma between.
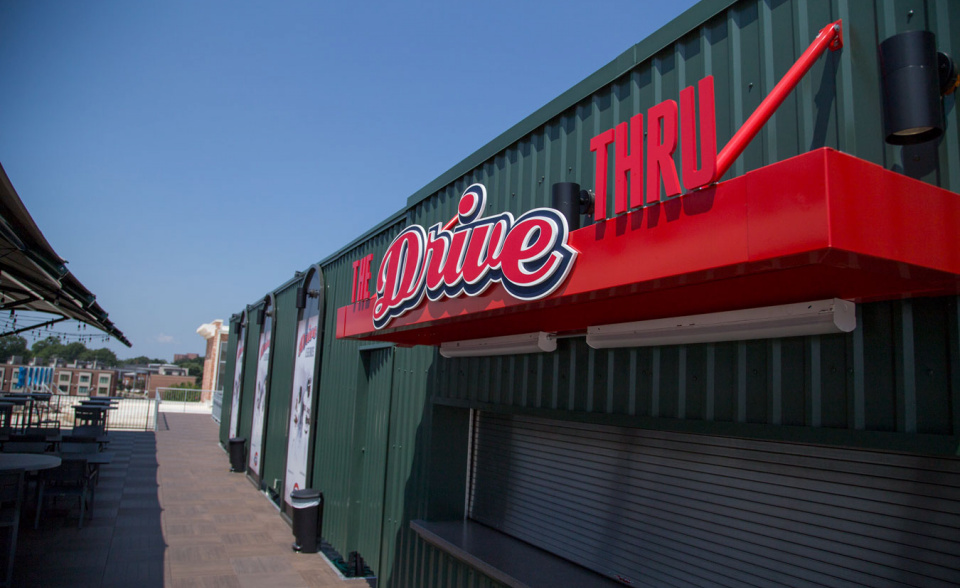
x: 215, y: 359
x: 152, y: 376
x: 77, y: 378
x: 184, y: 356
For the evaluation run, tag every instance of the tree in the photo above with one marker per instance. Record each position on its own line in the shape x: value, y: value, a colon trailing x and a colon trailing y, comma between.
x: 46, y: 349
x: 72, y: 351
x: 194, y: 366
x: 102, y: 355
x: 140, y: 360
x: 13, y: 345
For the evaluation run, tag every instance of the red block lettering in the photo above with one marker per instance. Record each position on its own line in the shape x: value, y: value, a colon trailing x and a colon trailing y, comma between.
x: 693, y: 177
x: 599, y: 145
x: 660, y: 148
x: 628, y: 157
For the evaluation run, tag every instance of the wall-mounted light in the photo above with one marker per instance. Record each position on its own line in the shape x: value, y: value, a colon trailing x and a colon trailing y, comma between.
x: 571, y: 202
x: 913, y: 77
x: 820, y: 317
x: 508, y: 345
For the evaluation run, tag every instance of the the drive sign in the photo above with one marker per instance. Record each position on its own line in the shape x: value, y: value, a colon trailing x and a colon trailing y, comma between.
x: 529, y: 256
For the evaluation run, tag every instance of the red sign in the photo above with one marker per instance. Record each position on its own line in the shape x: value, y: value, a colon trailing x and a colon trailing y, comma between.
x: 820, y: 225
x: 661, y: 141
x: 528, y: 256
x: 361, y: 279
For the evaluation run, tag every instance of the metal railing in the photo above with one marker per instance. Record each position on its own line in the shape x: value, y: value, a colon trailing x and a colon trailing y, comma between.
x: 130, y: 414
x: 217, y: 405
x: 183, y: 400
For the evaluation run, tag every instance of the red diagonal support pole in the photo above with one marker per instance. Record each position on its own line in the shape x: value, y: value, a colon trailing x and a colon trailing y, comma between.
x: 831, y: 36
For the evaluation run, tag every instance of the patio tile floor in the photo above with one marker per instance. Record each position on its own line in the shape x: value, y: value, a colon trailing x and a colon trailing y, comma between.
x: 168, y: 513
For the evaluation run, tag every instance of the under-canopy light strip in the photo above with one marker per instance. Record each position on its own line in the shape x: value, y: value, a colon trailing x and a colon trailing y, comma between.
x: 508, y: 345
x: 820, y: 317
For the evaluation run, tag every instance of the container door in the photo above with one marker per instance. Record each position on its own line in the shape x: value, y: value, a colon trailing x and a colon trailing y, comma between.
x: 655, y: 508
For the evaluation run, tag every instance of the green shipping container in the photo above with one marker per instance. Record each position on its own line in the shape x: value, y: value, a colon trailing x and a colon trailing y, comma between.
x: 813, y: 460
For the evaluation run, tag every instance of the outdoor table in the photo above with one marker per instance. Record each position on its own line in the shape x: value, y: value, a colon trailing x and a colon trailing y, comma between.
x: 38, y: 434
x: 101, y: 407
x: 94, y: 461
x: 16, y: 401
x: 101, y: 439
x: 30, y: 462
x: 32, y: 402
x: 99, y: 458
x: 89, y: 409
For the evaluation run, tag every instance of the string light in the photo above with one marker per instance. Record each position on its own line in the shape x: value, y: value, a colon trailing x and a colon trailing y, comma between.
x: 27, y: 318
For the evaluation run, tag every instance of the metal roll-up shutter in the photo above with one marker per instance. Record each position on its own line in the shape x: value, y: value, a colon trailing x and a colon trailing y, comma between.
x: 659, y: 508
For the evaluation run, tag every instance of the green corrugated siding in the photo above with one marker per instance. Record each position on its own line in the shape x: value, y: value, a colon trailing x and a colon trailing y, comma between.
x: 747, y: 49
x: 374, y: 408
x: 896, y: 373
x: 894, y: 382
x: 337, y: 459
x: 227, y: 379
x: 249, y: 373
x: 407, y: 469
x: 281, y: 375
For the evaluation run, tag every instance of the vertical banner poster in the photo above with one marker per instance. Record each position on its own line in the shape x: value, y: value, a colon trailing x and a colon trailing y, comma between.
x: 260, y: 396
x: 301, y: 401
x: 237, y: 378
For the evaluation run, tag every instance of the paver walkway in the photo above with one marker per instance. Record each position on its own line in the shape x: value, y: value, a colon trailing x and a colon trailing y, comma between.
x: 169, y: 513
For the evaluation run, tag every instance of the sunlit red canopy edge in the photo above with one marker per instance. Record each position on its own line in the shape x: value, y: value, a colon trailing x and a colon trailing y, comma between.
x: 820, y: 225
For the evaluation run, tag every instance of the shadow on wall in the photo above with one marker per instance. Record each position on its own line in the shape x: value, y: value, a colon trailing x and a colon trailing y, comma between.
x: 435, y: 487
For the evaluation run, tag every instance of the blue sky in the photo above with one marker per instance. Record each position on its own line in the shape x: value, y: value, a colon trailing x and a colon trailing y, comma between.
x: 187, y: 157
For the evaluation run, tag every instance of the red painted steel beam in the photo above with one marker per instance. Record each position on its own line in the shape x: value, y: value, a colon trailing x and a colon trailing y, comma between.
x: 830, y: 36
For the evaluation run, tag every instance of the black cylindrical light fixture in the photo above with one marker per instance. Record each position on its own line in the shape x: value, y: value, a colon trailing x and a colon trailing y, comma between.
x: 910, y: 80
x: 566, y: 199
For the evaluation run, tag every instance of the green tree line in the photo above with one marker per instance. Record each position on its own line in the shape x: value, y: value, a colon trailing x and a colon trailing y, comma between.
x: 51, y: 347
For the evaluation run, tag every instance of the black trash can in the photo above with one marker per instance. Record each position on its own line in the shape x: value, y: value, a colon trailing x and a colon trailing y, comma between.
x: 237, y: 451
x: 307, y: 519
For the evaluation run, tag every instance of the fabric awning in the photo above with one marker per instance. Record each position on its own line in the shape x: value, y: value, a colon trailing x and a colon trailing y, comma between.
x: 32, y: 275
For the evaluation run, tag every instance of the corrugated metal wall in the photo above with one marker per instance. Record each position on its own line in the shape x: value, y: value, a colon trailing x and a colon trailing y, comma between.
x: 747, y: 48
x: 227, y: 379
x: 896, y: 376
x: 249, y: 373
x: 674, y: 509
x: 337, y: 459
x: 896, y: 373
x: 282, y: 352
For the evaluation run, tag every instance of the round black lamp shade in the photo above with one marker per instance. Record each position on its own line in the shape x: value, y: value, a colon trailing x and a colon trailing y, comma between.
x: 910, y: 79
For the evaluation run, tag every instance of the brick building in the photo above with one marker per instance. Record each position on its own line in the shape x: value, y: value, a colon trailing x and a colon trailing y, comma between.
x: 150, y: 377
x: 76, y: 378
x: 216, y: 334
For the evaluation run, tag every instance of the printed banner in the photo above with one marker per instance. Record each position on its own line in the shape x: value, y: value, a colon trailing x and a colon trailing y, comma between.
x: 237, y: 377
x: 260, y: 398
x: 301, y: 401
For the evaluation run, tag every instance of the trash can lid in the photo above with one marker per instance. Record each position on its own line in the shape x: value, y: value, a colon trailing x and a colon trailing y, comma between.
x: 305, y: 494
x: 238, y: 439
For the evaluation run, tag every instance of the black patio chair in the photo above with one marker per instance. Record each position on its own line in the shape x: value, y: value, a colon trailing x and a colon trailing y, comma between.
x: 11, y: 498
x: 72, y: 478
